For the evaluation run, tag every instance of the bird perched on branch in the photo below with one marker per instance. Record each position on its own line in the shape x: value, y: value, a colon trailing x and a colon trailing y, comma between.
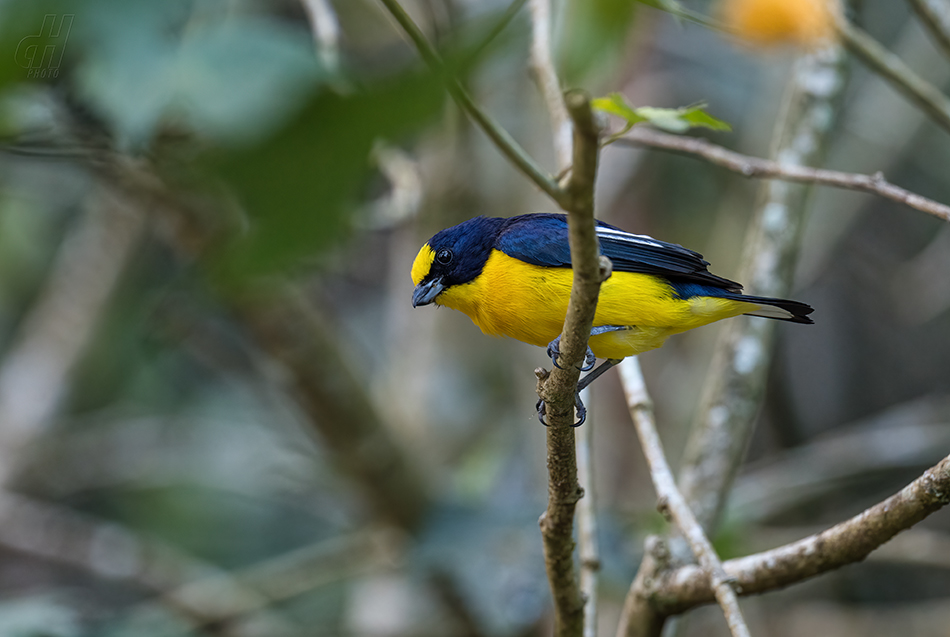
x: 513, y: 277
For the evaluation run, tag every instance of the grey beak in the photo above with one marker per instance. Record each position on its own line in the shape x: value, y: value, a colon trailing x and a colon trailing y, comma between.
x: 426, y: 292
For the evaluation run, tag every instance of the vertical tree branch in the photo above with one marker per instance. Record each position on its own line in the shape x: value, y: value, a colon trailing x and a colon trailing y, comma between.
x: 558, y: 388
x: 737, y: 378
x: 561, y: 134
x: 589, y: 551
x: 671, y: 501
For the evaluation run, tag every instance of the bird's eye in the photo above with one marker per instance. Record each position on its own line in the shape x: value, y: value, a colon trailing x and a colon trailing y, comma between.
x: 444, y: 257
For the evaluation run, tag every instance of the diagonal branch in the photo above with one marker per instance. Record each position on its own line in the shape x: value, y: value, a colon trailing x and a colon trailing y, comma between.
x: 875, y: 55
x: 671, y: 501
x: 499, y: 136
x: 35, y: 373
x: 845, y: 543
x: 748, y: 166
x: 935, y: 16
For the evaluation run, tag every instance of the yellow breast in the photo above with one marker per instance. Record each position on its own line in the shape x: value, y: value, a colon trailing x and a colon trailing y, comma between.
x: 528, y: 302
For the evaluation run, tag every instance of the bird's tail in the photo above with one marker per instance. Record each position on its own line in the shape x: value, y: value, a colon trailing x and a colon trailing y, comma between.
x: 781, y: 309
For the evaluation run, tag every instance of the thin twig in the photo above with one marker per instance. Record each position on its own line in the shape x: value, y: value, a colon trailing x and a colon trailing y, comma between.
x: 494, y: 32
x: 547, y: 79
x: 588, y: 550
x: 671, y: 500
x: 935, y: 15
x: 846, y: 543
x: 558, y: 388
x: 922, y: 93
x: 504, y: 141
x: 748, y: 166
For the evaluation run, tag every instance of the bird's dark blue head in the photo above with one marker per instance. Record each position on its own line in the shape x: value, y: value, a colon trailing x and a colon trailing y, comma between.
x: 453, y: 256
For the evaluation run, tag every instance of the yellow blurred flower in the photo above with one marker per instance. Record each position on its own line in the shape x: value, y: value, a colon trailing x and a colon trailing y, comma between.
x: 804, y: 23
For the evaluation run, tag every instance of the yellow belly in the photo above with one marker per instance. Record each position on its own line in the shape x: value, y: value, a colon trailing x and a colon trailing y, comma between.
x: 528, y: 302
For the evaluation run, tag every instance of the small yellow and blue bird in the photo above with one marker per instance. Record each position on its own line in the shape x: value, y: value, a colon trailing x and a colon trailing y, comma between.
x: 512, y: 277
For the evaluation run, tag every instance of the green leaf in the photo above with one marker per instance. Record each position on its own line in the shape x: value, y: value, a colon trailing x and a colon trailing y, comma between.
x: 674, y: 120
x: 697, y: 117
x: 616, y: 104
x: 298, y: 185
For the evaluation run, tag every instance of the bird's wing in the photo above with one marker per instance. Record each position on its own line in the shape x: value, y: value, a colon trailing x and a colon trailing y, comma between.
x: 541, y: 239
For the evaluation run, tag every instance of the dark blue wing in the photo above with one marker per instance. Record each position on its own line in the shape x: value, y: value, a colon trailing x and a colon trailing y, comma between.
x: 541, y: 239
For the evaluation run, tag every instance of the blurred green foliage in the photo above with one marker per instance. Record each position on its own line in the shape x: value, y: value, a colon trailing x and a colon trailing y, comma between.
x: 290, y: 138
x: 300, y: 183
x: 595, y: 32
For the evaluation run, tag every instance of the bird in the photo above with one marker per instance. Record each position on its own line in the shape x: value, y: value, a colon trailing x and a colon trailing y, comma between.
x: 512, y: 276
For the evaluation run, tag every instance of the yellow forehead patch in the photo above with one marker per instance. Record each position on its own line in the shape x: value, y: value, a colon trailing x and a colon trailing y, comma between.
x: 422, y: 264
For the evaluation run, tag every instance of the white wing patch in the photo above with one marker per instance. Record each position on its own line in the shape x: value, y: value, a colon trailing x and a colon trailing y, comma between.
x: 628, y: 236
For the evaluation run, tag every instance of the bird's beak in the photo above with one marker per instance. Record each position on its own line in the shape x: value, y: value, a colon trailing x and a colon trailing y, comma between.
x: 426, y: 292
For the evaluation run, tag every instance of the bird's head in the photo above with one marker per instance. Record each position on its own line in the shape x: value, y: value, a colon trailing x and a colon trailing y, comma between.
x: 453, y: 256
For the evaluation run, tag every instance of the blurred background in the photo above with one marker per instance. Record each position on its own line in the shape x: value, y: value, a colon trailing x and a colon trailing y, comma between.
x: 220, y: 415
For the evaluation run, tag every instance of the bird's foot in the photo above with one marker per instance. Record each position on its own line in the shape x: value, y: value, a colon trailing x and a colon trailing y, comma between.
x: 554, y: 351
x: 581, y: 411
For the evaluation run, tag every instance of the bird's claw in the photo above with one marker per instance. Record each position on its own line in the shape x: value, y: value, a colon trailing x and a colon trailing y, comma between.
x: 542, y: 410
x: 578, y: 405
x: 554, y: 351
x: 589, y: 360
x: 581, y: 410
